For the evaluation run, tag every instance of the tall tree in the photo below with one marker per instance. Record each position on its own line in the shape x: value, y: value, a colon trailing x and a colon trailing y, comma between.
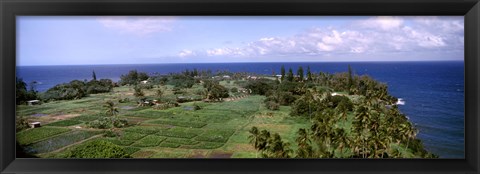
x: 195, y: 72
x: 309, y: 74
x: 94, y: 76
x: 350, y: 79
x: 300, y: 73
x: 290, y: 75
x: 282, y: 70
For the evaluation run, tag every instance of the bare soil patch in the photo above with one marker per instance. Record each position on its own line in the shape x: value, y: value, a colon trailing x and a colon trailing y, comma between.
x: 220, y: 155
x: 65, y: 116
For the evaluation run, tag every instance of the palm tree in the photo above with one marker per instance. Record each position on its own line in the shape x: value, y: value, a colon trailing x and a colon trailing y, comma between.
x: 255, y: 139
x: 408, y: 132
x: 263, y: 140
x: 111, y: 110
x: 277, y: 148
x: 304, y: 148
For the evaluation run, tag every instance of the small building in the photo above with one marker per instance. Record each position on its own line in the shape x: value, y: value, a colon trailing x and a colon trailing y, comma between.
x: 33, y: 102
x: 34, y: 124
x: 144, y: 82
x: 252, y: 77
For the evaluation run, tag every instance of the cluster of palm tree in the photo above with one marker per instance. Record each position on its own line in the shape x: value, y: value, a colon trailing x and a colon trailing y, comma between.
x: 378, y: 129
x: 375, y: 133
x: 270, y: 146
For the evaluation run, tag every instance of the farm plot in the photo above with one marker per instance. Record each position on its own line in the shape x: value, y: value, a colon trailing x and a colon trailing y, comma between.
x: 170, y: 133
x: 149, y: 141
x: 30, y: 136
x: 179, y: 123
x: 216, y: 135
x: 64, y: 123
x: 60, y: 141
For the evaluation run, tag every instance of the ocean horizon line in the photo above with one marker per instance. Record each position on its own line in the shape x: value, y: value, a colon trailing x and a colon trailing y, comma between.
x: 176, y: 63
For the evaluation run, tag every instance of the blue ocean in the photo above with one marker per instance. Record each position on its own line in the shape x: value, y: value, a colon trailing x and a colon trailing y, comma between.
x: 433, y: 92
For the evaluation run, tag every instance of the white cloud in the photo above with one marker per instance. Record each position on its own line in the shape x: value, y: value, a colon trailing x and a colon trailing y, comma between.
x: 186, y: 53
x: 333, y: 38
x: 324, y: 47
x: 138, y: 25
x: 382, y: 22
x: 375, y: 35
x: 423, y: 38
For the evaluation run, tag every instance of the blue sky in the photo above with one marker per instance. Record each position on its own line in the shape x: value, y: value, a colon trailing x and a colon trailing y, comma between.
x: 62, y: 40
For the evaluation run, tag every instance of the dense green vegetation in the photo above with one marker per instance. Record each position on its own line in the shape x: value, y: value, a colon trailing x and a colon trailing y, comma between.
x: 199, y: 113
x: 77, y: 89
x: 361, y: 122
x: 22, y: 94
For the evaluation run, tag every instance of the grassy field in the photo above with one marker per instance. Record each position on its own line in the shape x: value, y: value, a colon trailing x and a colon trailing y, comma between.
x: 218, y: 130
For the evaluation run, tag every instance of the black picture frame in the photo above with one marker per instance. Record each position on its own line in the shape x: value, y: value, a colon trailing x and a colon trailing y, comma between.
x: 11, y: 8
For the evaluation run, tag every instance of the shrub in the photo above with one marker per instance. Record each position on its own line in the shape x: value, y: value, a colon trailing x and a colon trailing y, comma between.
x: 98, y: 149
x: 108, y: 122
x: 286, y: 98
x: 181, y: 81
x: 138, y: 92
x: 119, y: 122
x: 68, y: 91
x: 146, y: 86
x: 101, y: 86
x: 21, y: 123
x: 125, y: 100
x: 196, y: 107
x: 234, y: 90
x: 272, y: 105
x: 165, y: 106
x: 133, y: 77
x: 110, y: 133
x: 260, y: 86
x: 102, y: 123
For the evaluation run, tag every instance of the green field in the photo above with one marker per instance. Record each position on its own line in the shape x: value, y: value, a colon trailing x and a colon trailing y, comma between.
x: 218, y: 130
